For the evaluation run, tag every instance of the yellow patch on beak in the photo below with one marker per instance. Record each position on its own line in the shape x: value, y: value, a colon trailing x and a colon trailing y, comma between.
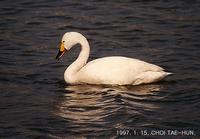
x: 62, y: 48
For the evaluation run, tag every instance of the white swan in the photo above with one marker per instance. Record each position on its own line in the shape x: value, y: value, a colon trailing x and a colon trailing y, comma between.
x: 115, y: 70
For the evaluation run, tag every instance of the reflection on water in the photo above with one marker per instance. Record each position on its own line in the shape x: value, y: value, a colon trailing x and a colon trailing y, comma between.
x: 94, y: 104
x: 138, y: 90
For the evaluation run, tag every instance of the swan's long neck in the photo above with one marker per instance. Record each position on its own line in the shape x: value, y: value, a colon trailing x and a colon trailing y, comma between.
x: 70, y: 73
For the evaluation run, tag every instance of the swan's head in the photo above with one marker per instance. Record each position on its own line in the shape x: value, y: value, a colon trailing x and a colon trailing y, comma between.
x: 69, y: 39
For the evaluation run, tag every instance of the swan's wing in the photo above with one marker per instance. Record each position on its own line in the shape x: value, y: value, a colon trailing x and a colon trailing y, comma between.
x: 114, y: 69
x: 119, y: 64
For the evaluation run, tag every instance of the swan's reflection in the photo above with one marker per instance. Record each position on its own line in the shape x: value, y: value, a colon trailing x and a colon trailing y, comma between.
x: 97, y: 104
x: 138, y: 90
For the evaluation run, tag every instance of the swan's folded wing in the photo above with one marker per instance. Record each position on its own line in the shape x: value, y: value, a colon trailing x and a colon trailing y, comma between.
x: 114, y: 70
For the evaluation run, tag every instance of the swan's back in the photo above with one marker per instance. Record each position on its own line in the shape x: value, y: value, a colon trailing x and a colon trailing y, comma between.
x: 115, y: 70
x: 118, y: 63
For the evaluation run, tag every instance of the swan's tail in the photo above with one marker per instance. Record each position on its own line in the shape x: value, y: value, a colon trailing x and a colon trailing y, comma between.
x: 169, y: 73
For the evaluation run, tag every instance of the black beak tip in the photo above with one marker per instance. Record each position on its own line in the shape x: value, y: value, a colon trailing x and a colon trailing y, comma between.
x: 58, y: 55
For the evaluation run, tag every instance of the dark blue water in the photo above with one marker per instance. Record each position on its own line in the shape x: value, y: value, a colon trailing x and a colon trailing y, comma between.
x: 35, y: 102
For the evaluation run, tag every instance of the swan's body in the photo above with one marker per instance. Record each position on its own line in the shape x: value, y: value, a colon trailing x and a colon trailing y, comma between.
x: 108, y: 70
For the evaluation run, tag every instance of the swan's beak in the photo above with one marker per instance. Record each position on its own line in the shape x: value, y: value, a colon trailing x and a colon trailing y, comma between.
x: 61, y: 51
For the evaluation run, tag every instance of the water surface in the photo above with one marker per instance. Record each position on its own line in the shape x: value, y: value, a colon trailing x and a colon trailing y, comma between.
x: 35, y: 102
